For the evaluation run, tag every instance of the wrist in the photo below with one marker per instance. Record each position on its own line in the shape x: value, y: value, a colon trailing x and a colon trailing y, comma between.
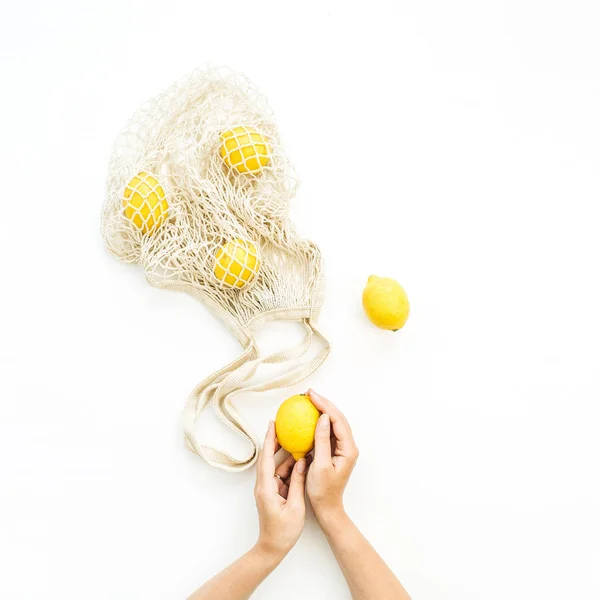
x: 269, y: 553
x: 331, y: 518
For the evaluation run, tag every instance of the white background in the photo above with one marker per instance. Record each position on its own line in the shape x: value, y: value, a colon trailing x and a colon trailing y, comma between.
x: 451, y: 145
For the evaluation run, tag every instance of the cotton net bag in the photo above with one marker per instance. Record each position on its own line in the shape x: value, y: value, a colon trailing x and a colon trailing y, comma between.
x: 198, y: 194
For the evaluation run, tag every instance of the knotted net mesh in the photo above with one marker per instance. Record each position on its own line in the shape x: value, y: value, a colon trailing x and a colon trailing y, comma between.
x: 198, y: 194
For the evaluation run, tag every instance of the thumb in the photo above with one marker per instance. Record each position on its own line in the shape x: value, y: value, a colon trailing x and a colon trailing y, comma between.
x: 296, y: 489
x: 323, y: 441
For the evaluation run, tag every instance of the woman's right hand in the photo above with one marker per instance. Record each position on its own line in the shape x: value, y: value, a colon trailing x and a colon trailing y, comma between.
x: 335, y: 456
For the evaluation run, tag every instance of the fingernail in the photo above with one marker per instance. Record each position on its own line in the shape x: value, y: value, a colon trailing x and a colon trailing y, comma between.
x: 301, y: 466
x: 323, y: 422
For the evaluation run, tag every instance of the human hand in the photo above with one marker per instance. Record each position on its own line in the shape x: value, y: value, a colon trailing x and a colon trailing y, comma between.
x: 279, y: 494
x: 335, y: 456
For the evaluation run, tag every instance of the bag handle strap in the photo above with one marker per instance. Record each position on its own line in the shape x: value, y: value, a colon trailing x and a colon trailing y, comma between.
x: 220, y: 387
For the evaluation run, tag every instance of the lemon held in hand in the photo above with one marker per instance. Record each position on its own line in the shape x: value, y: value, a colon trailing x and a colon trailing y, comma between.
x: 385, y: 303
x: 245, y: 150
x: 144, y: 203
x: 295, y: 425
x: 236, y: 263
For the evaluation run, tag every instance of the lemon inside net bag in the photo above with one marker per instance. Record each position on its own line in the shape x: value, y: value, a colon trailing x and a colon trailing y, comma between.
x: 198, y: 194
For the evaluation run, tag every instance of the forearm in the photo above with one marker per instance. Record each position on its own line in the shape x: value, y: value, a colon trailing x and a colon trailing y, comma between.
x: 368, y: 577
x: 239, y: 580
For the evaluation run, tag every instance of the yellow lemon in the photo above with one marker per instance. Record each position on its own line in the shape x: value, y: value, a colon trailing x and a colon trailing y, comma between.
x: 245, y: 150
x: 385, y: 303
x: 144, y: 202
x: 236, y: 263
x: 295, y: 425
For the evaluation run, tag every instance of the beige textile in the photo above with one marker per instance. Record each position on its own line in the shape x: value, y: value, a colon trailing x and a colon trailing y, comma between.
x: 195, y: 198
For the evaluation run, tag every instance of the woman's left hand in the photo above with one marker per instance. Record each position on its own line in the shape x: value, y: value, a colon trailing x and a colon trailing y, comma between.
x: 279, y: 494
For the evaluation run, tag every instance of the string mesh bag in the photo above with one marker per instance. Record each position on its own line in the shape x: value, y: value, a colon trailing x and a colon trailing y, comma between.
x: 198, y: 194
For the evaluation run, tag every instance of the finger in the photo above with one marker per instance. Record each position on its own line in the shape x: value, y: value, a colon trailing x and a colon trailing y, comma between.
x: 327, y: 406
x: 309, y: 461
x: 277, y: 446
x: 295, y: 498
x: 284, y: 470
x: 323, y: 441
x: 285, y: 484
x: 266, y: 467
x: 309, y: 458
x: 339, y: 424
x: 282, y: 487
